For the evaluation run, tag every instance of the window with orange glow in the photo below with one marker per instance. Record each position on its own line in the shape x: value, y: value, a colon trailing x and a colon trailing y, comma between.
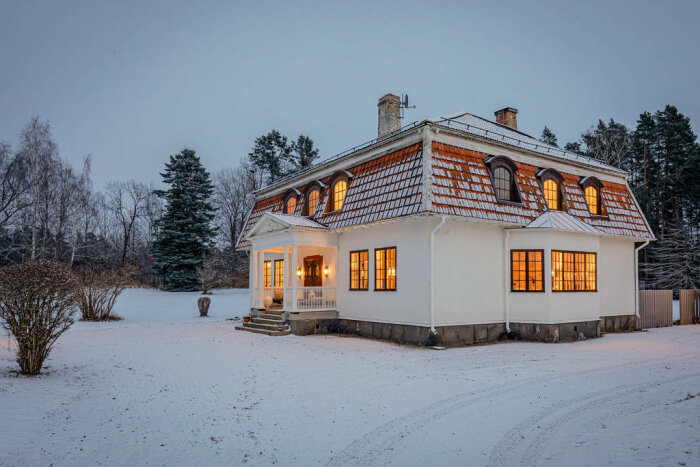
x: 267, y: 274
x: 591, y: 193
x: 551, y: 194
x: 313, y: 202
x: 291, y: 205
x: 574, y: 271
x: 385, y: 269
x: 339, y: 189
x: 279, y: 273
x: 527, y: 270
x: 359, y: 270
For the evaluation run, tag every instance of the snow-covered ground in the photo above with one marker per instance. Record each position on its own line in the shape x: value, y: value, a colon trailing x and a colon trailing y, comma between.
x: 165, y: 387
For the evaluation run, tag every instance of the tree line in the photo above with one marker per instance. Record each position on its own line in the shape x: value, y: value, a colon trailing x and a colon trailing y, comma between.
x: 50, y: 210
x: 662, y: 156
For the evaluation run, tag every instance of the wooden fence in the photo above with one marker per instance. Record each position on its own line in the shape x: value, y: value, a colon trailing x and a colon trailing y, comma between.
x: 690, y: 306
x: 655, y: 308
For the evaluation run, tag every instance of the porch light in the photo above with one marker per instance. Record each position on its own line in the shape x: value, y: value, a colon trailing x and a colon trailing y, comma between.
x: 326, y: 271
x: 298, y: 272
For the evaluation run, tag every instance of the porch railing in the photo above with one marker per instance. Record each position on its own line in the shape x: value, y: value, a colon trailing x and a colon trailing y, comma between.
x: 315, y: 298
x: 274, y: 293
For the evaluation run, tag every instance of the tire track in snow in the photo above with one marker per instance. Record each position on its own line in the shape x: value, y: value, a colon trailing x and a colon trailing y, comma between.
x: 370, y: 446
x: 501, y: 454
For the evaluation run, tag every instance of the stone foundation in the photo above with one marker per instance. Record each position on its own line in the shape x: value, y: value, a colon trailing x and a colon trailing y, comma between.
x: 303, y: 324
x: 619, y: 323
x: 561, y: 332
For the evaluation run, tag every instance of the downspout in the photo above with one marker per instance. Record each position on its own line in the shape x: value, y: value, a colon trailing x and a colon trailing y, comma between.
x: 636, y: 279
x: 505, y: 280
x: 432, y: 274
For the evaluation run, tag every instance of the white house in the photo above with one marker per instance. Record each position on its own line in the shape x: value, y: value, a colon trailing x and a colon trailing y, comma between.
x: 454, y: 230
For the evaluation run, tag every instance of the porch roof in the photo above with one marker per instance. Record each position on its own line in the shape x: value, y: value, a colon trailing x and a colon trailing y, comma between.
x: 275, y: 222
x: 560, y: 220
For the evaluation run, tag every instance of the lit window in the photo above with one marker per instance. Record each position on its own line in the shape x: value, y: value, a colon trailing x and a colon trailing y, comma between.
x: 279, y: 273
x: 359, y: 270
x: 312, y: 202
x: 291, y: 205
x: 339, y: 189
x: 503, y: 180
x: 574, y: 271
x: 385, y: 269
x: 551, y: 194
x: 267, y: 274
x: 592, y: 199
x: 527, y: 268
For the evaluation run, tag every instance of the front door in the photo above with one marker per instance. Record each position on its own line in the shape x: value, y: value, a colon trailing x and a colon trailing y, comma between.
x: 312, y: 271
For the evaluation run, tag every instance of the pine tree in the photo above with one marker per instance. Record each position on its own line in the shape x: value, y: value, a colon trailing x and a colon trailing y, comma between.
x: 272, y: 154
x: 548, y: 137
x: 609, y: 143
x: 184, y: 233
x: 304, y: 153
x: 574, y: 147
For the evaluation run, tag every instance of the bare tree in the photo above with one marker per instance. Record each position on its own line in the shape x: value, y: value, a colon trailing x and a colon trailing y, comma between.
x: 13, y: 184
x: 126, y: 201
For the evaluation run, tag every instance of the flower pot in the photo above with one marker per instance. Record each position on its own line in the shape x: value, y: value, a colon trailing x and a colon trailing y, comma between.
x: 246, y: 319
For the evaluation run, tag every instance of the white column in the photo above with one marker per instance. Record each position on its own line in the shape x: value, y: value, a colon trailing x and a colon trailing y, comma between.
x: 252, y: 259
x: 261, y: 266
x: 295, y: 279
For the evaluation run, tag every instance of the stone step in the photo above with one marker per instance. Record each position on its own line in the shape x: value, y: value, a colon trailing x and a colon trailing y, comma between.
x: 268, y: 327
x: 262, y: 331
x: 271, y: 317
x: 267, y: 321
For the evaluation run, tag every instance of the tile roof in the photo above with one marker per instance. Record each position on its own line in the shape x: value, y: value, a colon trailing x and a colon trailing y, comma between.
x: 384, y: 188
x: 478, y: 126
x: 560, y: 220
x: 462, y: 187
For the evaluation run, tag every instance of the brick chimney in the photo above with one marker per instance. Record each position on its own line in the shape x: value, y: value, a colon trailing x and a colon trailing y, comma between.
x: 508, y: 117
x: 389, y: 108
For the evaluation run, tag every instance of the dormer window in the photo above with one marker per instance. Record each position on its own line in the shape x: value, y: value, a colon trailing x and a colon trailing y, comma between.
x: 290, y: 201
x: 291, y: 205
x: 591, y: 187
x: 312, y: 200
x: 551, y: 188
x: 502, y: 172
x: 338, y: 190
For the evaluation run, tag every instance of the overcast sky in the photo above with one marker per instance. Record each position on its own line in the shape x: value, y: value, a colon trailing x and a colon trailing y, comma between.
x: 133, y: 82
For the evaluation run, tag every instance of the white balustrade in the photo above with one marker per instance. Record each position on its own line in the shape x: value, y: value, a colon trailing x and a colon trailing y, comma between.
x: 315, y: 298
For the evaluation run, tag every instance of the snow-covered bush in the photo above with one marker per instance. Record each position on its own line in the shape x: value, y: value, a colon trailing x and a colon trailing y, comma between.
x: 37, y: 303
x: 98, y: 291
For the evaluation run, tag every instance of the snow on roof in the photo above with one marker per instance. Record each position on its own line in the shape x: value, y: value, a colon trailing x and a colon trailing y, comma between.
x: 462, y: 187
x: 297, y: 221
x: 560, y: 220
x: 479, y: 126
x: 384, y: 188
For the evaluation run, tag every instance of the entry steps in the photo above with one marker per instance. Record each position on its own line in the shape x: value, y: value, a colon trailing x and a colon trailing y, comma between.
x: 269, y: 323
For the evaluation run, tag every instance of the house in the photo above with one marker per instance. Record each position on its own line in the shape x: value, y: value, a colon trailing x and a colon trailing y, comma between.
x: 455, y: 230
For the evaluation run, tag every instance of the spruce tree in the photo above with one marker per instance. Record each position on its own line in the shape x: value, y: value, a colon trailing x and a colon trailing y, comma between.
x: 184, y: 233
x: 304, y: 152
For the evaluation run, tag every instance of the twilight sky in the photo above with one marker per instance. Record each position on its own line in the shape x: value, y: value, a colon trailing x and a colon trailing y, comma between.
x: 133, y: 82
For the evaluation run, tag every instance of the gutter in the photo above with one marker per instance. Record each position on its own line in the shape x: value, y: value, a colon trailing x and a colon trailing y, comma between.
x: 432, y: 274
x: 506, y: 290
x: 636, y: 279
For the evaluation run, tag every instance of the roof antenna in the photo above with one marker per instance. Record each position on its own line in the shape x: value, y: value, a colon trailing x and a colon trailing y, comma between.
x: 404, y: 104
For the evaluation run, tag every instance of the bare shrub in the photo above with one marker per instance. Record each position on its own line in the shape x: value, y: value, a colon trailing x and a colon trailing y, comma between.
x: 203, y: 305
x: 37, y: 303
x: 99, y: 289
x: 208, y: 275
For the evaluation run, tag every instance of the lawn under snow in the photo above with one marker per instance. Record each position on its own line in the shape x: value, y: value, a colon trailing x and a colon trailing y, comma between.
x: 165, y: 387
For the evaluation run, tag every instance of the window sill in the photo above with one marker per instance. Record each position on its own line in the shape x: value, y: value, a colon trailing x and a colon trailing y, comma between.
x: 385, y: 290
x: 510, y: 203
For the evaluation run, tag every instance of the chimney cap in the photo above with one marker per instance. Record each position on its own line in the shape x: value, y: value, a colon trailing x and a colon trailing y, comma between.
x: 506, y: 109
x: 389, y: 96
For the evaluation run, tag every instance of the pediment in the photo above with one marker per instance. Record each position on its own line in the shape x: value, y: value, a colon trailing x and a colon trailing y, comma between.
x: 267, y: 225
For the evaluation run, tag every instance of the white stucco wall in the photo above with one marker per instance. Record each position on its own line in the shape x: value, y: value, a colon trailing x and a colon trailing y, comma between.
x: 616, y: 276
x: 409, y: 303
x: 468, y: 273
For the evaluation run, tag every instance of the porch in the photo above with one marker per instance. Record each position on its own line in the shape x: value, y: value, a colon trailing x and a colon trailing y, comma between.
x: 293, y: 265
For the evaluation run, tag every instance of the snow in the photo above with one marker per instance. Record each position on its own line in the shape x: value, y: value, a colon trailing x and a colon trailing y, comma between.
x: 676, y: 310
x: 166, y: 387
